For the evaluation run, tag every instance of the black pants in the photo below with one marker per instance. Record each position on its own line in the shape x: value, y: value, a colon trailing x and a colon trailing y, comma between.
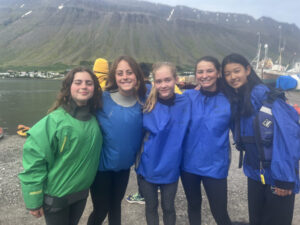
x: 266, y: 208
x: 69, y: 215
x: 216, y: 191
x: 107, y: 193
x: 168, y: 193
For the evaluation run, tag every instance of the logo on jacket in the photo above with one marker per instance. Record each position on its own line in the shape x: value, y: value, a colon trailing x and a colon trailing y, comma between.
x: 267, y: 123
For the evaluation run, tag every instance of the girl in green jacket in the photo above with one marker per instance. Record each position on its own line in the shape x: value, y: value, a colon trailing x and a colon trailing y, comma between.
x: 61, y: 153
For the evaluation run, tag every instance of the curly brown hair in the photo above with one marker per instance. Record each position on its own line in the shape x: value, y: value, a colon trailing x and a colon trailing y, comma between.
x: 64, y: 96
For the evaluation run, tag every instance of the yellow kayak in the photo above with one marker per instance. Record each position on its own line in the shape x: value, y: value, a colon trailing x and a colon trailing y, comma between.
x: 22, y: 130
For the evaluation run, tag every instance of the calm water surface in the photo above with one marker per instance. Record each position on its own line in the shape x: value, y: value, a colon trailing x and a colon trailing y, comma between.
x: 25, y: 101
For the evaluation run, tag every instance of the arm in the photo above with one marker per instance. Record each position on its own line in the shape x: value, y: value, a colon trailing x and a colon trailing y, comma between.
x: 286, y: 144
x: 37, y: 155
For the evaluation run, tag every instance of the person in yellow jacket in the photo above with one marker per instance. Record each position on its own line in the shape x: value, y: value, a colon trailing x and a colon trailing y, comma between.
x: 100, y: 69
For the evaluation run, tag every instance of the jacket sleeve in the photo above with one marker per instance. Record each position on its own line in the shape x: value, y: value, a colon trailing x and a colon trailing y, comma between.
x: 37, y: 158
x: 286, y: 144
x: 102, y: 78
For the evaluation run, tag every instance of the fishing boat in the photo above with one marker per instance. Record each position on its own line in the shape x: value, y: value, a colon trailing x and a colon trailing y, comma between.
x: 22, y: 130
x: 269, y: 72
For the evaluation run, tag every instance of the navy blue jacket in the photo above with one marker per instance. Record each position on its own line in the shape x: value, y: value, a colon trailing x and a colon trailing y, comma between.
x: 207, y: 147
x: 165, y: 128
x: 284, y: 170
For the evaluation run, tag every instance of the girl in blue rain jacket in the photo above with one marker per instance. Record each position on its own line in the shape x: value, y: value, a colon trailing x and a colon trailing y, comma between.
x: 206, y: 156
x: 271, y: 189
x: 165, y: 122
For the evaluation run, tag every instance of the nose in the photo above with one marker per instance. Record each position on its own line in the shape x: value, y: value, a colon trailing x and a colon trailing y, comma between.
x: 231, y: 76
x: 163, y: 84
x: 83, y: 85
x: 203, y: 75
x: 125, y: 76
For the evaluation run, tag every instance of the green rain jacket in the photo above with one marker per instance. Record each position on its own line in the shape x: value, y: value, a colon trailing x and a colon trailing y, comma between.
x: 60, y: 157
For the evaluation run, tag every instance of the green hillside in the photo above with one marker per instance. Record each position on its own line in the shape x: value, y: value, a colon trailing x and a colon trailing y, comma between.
x: 85, y: 30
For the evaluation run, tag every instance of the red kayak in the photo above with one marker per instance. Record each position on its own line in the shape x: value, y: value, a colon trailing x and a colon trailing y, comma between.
x: 297, y: 108
x: 1, y: 132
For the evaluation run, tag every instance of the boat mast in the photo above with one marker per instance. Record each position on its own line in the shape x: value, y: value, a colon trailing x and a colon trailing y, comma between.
x: 280, y: 48
x: 256, y: 60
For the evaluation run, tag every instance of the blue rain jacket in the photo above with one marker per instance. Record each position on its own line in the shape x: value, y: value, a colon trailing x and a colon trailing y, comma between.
x: 207, y: 147
x: 122, y: 129
x: 165, y: 128
x: 284, y: 170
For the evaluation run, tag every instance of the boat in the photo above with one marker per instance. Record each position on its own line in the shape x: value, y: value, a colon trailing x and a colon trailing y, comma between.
x: 1, y: 132
x: 269, y: 72
x: 22, y: 130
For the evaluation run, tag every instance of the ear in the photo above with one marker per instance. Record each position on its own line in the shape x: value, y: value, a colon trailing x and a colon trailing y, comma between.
x: 176, y: 79
x: 248, y: 70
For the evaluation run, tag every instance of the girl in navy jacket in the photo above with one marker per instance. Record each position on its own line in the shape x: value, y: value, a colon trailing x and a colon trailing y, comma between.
x: 207, y: 149
x: 271, y: 190
x: 165, y: 121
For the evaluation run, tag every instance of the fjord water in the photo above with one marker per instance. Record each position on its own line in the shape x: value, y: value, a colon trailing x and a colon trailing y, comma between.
x: 25, y: 101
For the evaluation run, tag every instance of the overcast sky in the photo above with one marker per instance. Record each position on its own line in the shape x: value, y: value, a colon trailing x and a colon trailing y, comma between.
x: 280, y: 10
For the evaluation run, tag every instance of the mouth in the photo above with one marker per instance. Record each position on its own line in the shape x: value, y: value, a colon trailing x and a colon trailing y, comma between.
x: 164, y: 91
x: 126, y: 82
x: 234, y: 83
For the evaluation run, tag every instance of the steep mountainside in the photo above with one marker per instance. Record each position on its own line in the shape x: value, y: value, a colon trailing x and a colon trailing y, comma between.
x: 46, y: 32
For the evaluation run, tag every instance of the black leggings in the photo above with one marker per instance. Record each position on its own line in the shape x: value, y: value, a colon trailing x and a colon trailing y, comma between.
x: 266, y: 208
x: 216, y: 191
x: 107, y: 193
x: 168, y: 193
x: 69, y: 215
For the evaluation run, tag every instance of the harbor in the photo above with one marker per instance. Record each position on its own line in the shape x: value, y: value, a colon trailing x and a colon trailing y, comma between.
x: 12, y: 208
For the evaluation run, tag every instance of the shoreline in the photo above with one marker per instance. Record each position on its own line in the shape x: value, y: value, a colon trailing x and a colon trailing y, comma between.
x: 12, y: 209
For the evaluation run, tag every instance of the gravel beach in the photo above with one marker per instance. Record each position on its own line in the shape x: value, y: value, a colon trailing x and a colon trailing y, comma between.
x: 13, y: 212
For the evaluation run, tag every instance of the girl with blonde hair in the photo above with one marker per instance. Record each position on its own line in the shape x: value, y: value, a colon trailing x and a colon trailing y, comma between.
x: 165, y: 122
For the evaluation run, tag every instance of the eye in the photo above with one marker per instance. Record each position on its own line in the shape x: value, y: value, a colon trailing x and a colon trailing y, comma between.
x: 236, y: 70
x: 210, y: 71
x: 89, y: 83
x: 199, y: 71
x: 77, y: 82
x: 226, y: 74
x: 157, y: 81
x: 129, y: 72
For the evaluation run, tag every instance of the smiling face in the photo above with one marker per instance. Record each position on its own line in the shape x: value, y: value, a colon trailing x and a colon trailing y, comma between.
x: 207, y: 75
x: 82, y: 88
x: 164, y: 82
x: 236, y: 74
x: 125, y: 79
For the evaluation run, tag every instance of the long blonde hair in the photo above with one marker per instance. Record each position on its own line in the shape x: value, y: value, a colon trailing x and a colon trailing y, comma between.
x: 152, y: 98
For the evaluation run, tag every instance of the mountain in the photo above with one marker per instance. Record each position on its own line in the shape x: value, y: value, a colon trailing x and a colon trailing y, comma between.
x: 69, y: 32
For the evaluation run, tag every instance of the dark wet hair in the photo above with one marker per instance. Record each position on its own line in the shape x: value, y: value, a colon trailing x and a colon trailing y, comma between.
x: 216, y: 64
x: 211, y: 59
x: 64, y: 96
x: 243, y: 94
x: 111, y: 81
x: 145, y: 69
